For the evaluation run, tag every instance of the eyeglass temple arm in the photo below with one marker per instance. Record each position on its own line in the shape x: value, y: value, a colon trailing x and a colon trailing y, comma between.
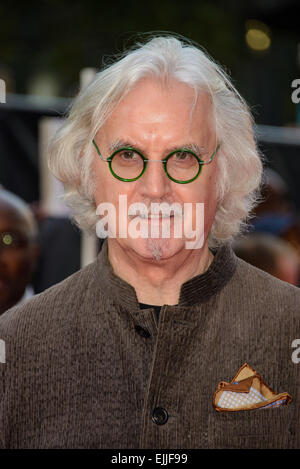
x: 97, y: 149
x: 213, y: 155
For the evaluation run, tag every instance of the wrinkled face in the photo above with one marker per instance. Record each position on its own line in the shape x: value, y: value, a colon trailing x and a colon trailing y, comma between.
x: 157, y: 119
x: 16, y: 262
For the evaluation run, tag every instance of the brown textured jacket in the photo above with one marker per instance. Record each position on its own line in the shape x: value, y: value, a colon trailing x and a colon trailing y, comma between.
x: 85, y: 367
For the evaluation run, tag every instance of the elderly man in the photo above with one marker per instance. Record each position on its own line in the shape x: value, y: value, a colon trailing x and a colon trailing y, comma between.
x: 167, y: 340
x: 18, y: 250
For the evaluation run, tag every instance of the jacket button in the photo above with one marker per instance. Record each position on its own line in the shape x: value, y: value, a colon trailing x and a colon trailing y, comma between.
x: 142, y: 332
x: 160, y: 416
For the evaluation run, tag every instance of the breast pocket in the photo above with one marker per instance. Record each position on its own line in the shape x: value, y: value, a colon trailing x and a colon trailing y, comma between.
x: 253, y: 429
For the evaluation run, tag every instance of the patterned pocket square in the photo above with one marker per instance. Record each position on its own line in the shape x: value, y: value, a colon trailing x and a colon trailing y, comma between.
x: 247, y: 391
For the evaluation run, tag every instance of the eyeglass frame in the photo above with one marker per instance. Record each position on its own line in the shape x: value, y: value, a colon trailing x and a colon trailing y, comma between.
x: 164, y: 162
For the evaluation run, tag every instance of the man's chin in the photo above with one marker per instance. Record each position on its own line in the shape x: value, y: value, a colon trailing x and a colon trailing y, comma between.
x: 156, y: 249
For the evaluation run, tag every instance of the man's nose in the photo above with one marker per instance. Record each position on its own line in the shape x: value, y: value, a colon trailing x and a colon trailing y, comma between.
x: 155, y: 183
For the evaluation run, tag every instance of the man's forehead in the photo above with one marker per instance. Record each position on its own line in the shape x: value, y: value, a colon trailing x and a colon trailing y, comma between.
x: 160, y: 120
x: 149, y: 96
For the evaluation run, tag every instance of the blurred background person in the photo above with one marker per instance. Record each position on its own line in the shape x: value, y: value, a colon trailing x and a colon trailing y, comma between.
x: 271, y: 254
x: 59, y: 241
x: 19, y: 250
x: 276, y: 214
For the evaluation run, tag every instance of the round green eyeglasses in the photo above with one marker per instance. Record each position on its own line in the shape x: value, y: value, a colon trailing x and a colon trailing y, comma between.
x: 182, y: 165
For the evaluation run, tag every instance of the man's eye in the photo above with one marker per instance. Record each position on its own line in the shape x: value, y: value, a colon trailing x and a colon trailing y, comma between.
x: 182, y: 156
x: 128, y: 155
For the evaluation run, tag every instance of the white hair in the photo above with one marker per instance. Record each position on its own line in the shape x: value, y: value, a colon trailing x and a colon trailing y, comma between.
x: 238, y: 162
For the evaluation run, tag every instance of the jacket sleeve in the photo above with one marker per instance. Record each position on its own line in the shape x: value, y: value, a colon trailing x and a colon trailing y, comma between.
x: 2, y: 393
x: 4, y: 363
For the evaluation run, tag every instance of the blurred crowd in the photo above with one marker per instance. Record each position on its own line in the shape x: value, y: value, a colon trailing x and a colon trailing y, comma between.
x: 273, y: 240
x: 38, y: 251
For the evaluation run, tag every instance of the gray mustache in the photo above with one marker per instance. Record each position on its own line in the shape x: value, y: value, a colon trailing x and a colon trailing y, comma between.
x: 163, y: 210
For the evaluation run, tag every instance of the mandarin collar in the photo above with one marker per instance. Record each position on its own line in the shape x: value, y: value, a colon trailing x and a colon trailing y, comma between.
x: 195, y: 291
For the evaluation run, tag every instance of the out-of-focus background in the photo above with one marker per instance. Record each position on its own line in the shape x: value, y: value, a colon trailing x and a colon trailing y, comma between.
x: 47, y: 45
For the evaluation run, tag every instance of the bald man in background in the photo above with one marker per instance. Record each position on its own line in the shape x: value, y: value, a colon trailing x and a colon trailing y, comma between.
x: 19, y: 250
